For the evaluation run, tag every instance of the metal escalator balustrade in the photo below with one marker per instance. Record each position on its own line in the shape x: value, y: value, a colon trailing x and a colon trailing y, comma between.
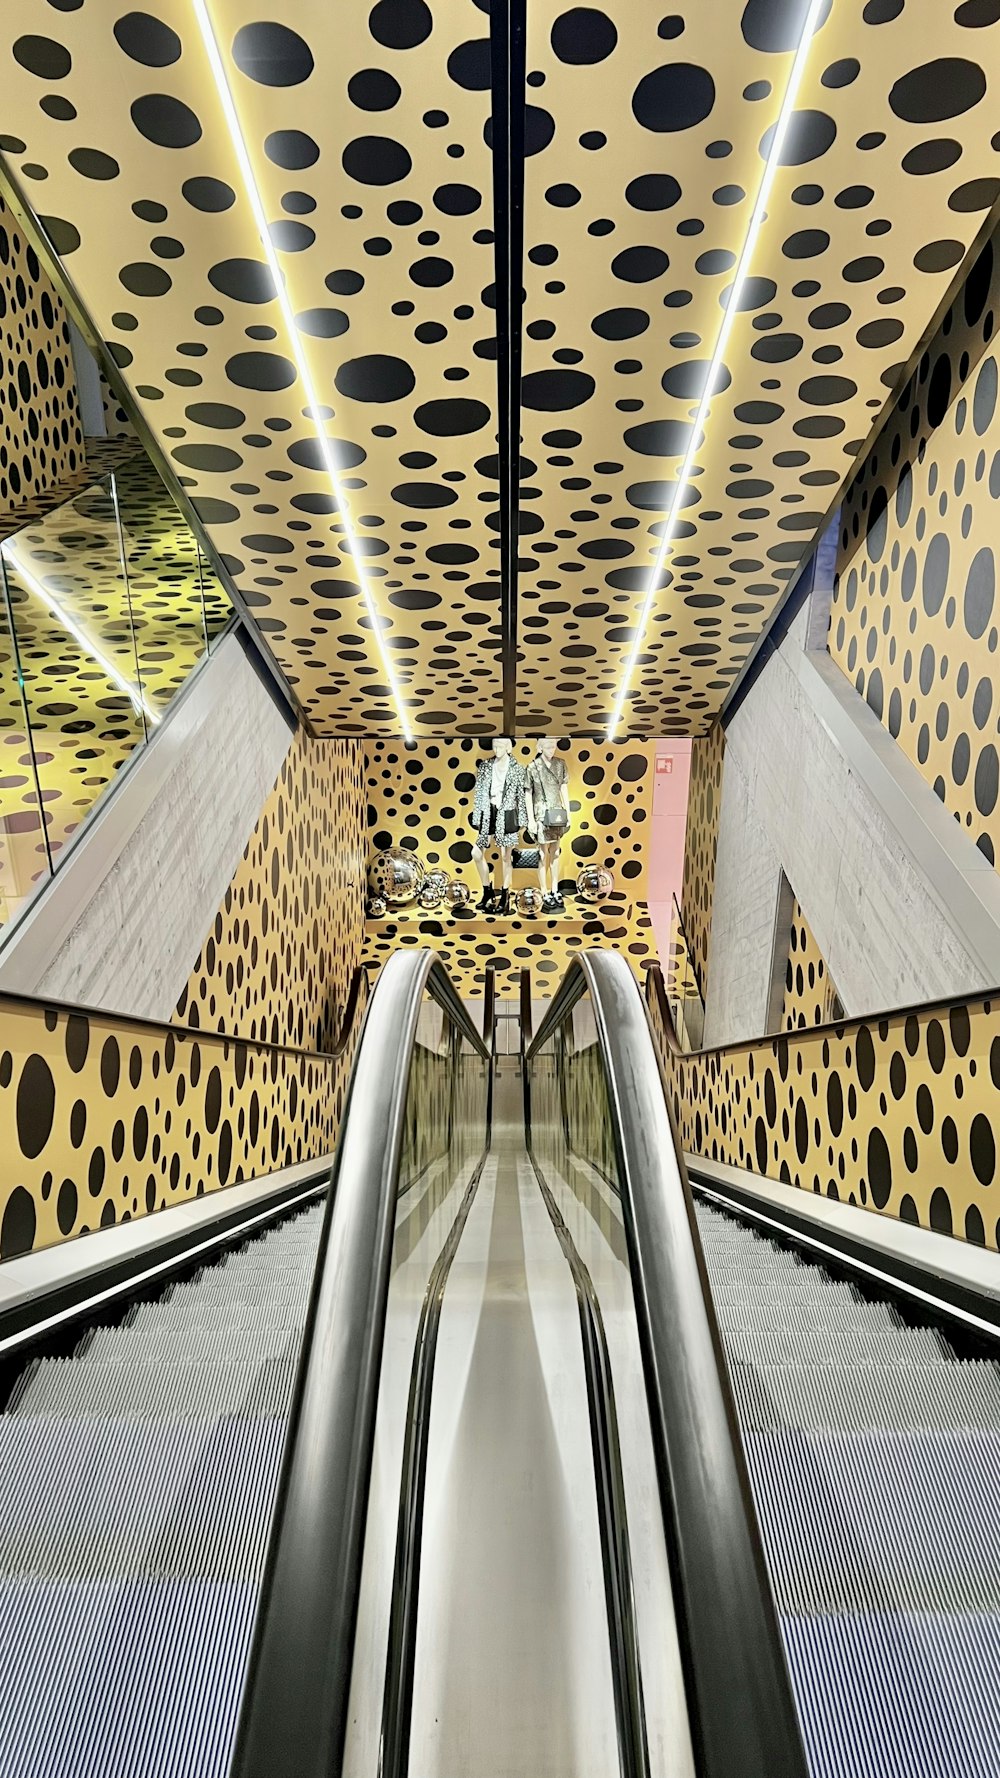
x: 595, y: 1093
x: 873, y: 1449
x: 418, y: 1097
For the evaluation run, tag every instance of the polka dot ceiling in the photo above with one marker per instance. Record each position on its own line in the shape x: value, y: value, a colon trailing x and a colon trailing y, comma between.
x: 368, y: 130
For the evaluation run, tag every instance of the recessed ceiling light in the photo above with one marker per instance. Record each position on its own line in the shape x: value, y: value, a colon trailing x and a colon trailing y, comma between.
x: 314, y: 406
x: 809, y: 25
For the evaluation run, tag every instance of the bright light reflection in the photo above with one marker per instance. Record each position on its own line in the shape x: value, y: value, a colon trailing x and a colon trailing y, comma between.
x: 72, y: 628
x: 729, y: 316
x: 313, y: 403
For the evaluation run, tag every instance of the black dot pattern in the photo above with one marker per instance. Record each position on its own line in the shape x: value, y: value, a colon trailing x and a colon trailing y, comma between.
x: 701, y: 839
x: 41, y: 439
x: 644, y: 137
x: 915, y: 621
x: 896, y: 1114
x: 810, y: 991
x: 106, y: 1120
x: 109, y: 1119
x: 421, y: 797
x: 633, y: 226
x: 278, y: 961
x: 373, y: 163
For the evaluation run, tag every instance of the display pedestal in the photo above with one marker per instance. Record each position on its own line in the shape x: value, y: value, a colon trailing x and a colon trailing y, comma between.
x: 471, y: 920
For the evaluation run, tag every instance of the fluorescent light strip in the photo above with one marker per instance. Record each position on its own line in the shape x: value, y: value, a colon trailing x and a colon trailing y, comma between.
x: 729, y: 316
x: 313, y: 403
x: 90, y: 647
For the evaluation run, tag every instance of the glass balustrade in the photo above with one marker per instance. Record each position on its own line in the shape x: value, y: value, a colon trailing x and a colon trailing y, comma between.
x: 683, y: 986
x: 108, y: 605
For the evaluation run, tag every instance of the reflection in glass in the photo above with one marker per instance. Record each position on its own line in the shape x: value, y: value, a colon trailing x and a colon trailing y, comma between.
x: 683, y: 987
x: 163, y: 568
x: 108, y: 605
x: 570, y: 1111
x: 68, y: 600
x: 24, y: 859
x: 217, y: 608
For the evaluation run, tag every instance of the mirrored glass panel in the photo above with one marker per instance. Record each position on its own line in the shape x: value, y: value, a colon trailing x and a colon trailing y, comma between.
x: 69, y: 603
x: 24, y: 859
x: 165, y: 575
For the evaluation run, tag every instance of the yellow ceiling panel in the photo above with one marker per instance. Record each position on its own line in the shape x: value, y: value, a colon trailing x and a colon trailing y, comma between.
x: 365, y: 127
x: 651, y: 141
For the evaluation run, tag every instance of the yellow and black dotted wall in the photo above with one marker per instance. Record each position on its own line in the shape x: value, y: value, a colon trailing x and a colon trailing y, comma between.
x: 278, y: 961
x: 701, y: 839
x: 898, y: 1114
x: 421, y: 797
x: 810, y: 993
x: 102, y: 1120
x: 915, y: 622
x: 41, y: 438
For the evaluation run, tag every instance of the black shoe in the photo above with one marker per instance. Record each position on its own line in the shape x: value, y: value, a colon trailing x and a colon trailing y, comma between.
x: 503, y: 902
x: 486, y: 899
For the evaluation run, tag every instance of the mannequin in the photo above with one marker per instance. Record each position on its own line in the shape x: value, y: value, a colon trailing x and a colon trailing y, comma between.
x: 547, y: 793
x: 498, y: 814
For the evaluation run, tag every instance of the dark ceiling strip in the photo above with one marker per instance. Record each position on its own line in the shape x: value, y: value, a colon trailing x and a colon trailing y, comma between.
x: 507, y: 33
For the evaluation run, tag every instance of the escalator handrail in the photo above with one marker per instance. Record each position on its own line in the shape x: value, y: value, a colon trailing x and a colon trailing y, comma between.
x: 741, y: 1710
x: 358, y: 997
x: 293, y: 1717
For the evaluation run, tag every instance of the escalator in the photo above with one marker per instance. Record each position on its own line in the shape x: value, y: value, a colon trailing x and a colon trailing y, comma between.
x: 873, y: 1444
x: 137, y: 1475
x: 512, y: 1458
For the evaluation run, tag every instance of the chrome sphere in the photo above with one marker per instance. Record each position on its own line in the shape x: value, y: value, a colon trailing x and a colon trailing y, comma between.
x: 440, y: 879
x: 398, y: 875
x: 529, y: 903
x: 594, y: 884
x: 377, y: 907
x: 430, y: 895
x: 457, y: 894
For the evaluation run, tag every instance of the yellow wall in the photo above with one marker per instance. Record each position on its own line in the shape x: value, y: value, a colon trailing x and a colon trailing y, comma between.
x: 422, y: 798
x: 897, y: 1114
x: 915, y: 621
x: 41, y: 439
x: 102, y: 1120
x: 701, y: 838
x: 278, y: 960
x: 809, y: 988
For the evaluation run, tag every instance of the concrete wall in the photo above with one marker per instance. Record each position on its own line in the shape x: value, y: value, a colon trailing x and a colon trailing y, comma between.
x: 123, y: 920
x: 903, y: 906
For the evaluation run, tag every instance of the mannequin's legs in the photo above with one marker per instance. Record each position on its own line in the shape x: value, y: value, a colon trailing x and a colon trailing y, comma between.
x: 487, y: 899
x: 548, y: 873
x: 554, y: 871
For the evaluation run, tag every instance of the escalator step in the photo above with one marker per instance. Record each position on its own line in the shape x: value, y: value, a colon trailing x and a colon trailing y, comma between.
x: 749, y: 1314
x: 946, y: 1397
x: 169, y: 1345
x: 157, y: 1390
x: 97, y: 1498
x: 147, y: 1679
x: 840, y: 1346
x: 879, y: 1520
